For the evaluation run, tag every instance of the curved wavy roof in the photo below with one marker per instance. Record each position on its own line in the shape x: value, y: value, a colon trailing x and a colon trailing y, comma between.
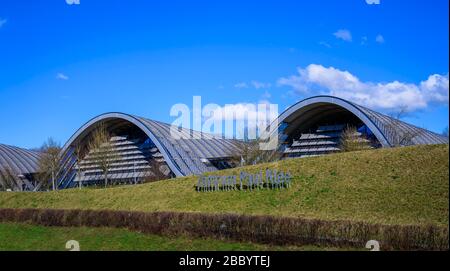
x: 386, y: 129
x: 184, y: 156
x: 189, y: 155
x: 19, y: 161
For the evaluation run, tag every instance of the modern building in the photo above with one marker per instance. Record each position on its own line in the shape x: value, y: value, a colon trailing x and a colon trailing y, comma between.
x: 314, y: 127
x: 16, y: 168
x: 145, y: 149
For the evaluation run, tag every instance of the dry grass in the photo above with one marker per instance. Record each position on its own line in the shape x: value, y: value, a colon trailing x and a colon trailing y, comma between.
x: 388, y: 186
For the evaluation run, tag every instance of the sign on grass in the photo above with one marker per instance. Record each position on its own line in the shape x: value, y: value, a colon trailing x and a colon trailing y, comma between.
x: 270, y: 179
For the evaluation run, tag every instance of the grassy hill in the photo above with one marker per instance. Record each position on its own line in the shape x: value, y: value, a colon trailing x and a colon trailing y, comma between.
x: 390, y: 186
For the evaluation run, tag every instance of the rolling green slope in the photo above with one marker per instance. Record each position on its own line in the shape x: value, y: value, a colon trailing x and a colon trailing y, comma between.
x: 391, y: 186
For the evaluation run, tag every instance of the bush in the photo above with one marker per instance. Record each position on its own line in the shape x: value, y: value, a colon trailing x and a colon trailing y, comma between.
x: 258, y: 229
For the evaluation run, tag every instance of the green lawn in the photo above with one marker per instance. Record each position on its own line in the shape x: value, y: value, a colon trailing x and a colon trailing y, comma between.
x: 390, y: 186
x: 24, y: 237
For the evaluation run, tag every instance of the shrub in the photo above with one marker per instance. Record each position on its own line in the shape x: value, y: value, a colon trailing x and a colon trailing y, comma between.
x: 258, y: 229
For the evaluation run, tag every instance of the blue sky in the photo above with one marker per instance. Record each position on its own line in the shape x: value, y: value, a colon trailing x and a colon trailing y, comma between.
x: 61, y: 64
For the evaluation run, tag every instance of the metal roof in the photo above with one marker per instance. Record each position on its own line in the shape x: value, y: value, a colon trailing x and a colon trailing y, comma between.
x: 18, y: 160
x: 184, y: 156
x: 385, y: 128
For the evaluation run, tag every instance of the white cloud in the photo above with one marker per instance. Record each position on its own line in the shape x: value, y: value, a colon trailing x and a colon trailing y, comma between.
x: 247, y: 112
x: 317, y: 79
x: 72, y: 2
x: 245, y: 116
x: 373, y: 2
x: 239, y: 111
x: 241, y: 85
x: 343, y: 34
x: 254, y: 84
x: 2, y: 22
x: 379, y: 39
x: 259, y: 85
x: 436, y: 88
x: 62, y: 76
x: 325, y: 44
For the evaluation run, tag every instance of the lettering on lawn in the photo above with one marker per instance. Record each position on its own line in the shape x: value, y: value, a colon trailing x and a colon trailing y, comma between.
x: 270, y: 179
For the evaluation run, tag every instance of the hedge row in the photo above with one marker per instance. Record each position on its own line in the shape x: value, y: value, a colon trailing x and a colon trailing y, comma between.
x: 258, y: 229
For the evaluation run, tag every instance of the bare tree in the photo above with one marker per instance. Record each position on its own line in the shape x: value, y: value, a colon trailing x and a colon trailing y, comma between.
x: 401, y: 137
x: 49, y: 163
x: 79, y: 152
x: 251, y: 154
x: 102, y: 150
x: 155, y: 173
x: 7, y: 179
x: 351, y: 140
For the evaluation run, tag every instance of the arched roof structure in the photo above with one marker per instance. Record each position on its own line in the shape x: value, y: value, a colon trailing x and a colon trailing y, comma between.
x: 17, y: 161
x: 192, y: 154
x: 185, y: 156
x: 386, y: 129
